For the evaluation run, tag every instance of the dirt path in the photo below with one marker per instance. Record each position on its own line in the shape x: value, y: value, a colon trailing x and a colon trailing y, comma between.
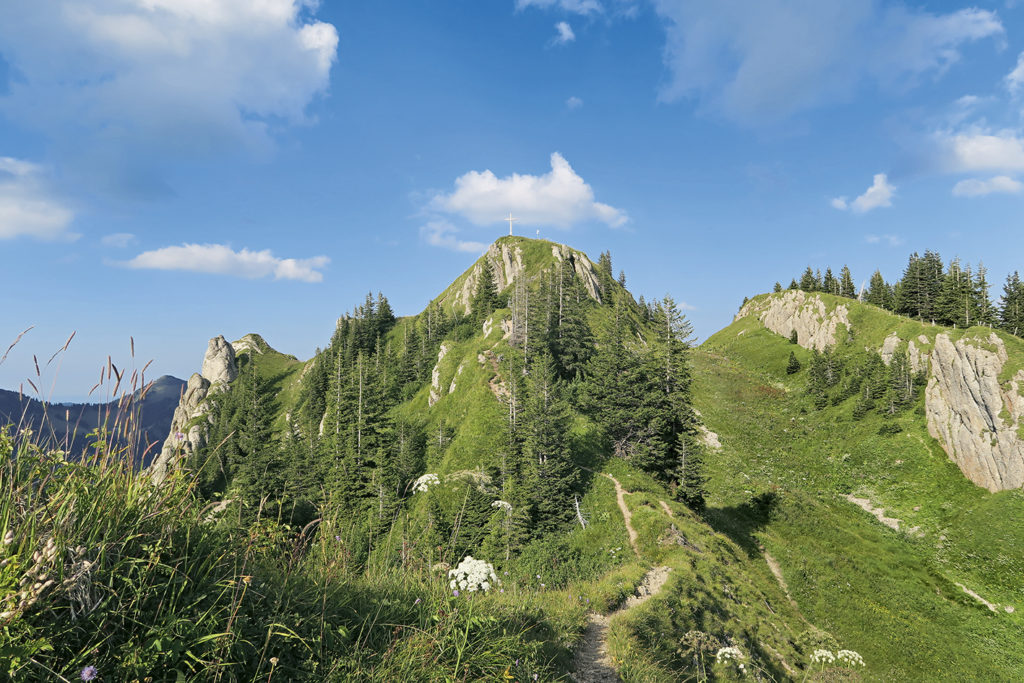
x: 773, y: 565
x: 620, y: 496
x: 593, y: 663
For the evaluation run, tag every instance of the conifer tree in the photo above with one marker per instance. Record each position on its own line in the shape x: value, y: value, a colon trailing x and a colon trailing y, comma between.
x: 691, y: 488
x: 793, y: 284
x: 830, y: 284
x: 808, y: 283
x: 1011, y: 305
x: 846, y: 286
x: 879, y: 292
x: 485, y: 295
x: 793, y: 366
x: 777, y: 288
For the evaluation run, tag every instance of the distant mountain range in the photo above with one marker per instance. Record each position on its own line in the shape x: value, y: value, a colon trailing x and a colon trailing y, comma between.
x: 67, y: 425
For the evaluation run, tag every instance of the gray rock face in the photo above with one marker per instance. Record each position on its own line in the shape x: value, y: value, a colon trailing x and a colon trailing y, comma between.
x: 188, y: 430
x: 806, y: 313
x: 219, y: 362
x: 435, y: 377
x: 972, y: 416
x: 582, y: 266
x: 976, y: 420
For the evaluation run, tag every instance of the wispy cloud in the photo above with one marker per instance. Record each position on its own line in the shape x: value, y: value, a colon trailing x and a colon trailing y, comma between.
x: 1000, y: 184
x: 574, y: 102
x: 118, y: 240
x: 220, y: 259
x: 28, y: 206
x: 1015, y: 79
x: 575, y: 6
x: 441, y: 233
x: 878, y: 195
x: 564, y: 33
x: 891, y: 240
x: 559, y: 198
x: 737, y: 59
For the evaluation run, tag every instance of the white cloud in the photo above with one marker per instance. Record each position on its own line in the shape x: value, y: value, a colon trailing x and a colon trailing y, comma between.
x: 891, y: 240
x: 27, y: 206
x: 575, y: 6
x: 878, y: 195
x: 738, y: 58
x: 559, y: 198
x: 441, y: 233
x: 222, y: 260
x: 119, y: 240
x: 1015, y: 79
x: 108, y: 78
x: 974, y: 187
x: 565, y: 34
x: 574, y: 102
x: 979, y: 150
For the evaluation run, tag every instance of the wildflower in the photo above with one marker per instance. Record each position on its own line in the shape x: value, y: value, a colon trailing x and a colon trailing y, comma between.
x: 424, y: 483
x: 502, y: 505
x: 337, y: 538
x: 9, y: 537
x: 729, y: 654
x: 418, y: 601
x: 179, y: 436
x: 534, y: 676
x: 823, y: 657
x: 455, y: 592
x: 473, y: 575
x: 89, y: 673
x: 849, y: 658
x: 273, y: 662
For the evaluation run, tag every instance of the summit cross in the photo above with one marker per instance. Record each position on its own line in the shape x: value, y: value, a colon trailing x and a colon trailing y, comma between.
x: 510, y: 219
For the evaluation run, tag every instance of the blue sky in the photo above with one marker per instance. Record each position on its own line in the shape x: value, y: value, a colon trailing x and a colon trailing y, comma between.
x: 171, y: 170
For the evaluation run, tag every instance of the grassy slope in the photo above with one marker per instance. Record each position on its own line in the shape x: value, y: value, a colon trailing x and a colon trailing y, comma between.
x: 889, y: 595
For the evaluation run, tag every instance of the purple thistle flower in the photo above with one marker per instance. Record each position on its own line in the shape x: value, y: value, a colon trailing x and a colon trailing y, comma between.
x: 179, y: 436
x: 455, y: 592
x: 89, y: 673
x: 337, y: 538
x: 418, y: 601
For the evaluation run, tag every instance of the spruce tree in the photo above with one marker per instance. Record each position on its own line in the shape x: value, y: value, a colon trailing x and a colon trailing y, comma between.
x: 879, y: 292
x: 691, y: 488
x: 808, y: 283
x: 846, y: 286
x: 793, y: 366
x: 777, y: 288
x: 830, y: 284
x: 485, y: 295
x: 1011, y: 305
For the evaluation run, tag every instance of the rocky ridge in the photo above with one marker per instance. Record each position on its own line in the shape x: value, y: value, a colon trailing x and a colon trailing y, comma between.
x: 975, y: 418
x: 188, y: 432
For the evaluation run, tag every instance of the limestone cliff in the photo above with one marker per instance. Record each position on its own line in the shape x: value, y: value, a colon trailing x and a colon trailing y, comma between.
x: 815, y: 325
x: 506, y: 262
x: 975, y: 418
x: 188, y: 430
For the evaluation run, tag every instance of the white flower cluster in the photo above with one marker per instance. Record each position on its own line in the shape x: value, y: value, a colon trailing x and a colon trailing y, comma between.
x: 731, y: 655
x: 423, y: 484
x: 850, y: 658
x: 823, y: 657
x: 473, y: 575
x: 503, y: 506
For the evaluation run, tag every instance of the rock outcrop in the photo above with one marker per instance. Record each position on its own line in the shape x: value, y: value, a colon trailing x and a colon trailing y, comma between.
x: 583, y: 268
x: 815, y: 325
x: 188, y: 428
x: 506, y: 263
x: 977, y: 421
x: 435, y: 377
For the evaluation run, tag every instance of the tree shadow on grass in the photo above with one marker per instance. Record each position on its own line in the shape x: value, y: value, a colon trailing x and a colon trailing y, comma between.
x: 742, y: 522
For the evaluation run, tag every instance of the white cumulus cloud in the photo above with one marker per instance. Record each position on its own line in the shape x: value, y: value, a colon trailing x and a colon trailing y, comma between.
x: 28, y: 206
x: 973, y: 150
x: 737, y: 57
x: 565, y: 33
x: 559, y: 198
x: 109, y: 78
x: 974, y: 187
x: 574, y: 102
x: 878, y: 195
x: 441, y: 233
x: 221, y: 259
